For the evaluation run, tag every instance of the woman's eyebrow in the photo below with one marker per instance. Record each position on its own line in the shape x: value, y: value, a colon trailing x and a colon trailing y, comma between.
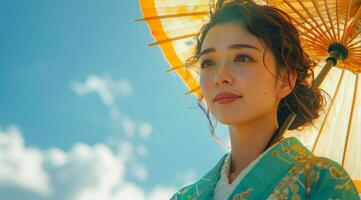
x: 241, y: 46
x: 232, y: 46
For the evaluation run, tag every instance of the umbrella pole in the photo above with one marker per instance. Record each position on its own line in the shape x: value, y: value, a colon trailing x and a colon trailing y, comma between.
x: 336, y: 52
x: 322, y: 75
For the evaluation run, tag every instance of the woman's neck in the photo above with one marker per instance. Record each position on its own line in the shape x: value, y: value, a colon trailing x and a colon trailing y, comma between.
x: 248, y: 142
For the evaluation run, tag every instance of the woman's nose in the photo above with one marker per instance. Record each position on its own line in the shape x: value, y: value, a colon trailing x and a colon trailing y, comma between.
x: 223, y: 74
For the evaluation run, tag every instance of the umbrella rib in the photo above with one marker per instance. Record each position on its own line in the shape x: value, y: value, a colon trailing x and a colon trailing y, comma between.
x: 312, y: 40
x: 346, y: 21
x: 350, y: 120
x: 354, y: 49
x: 322, y: 19
x: 357, y: 57
x: 351, y: 27
x: 307, y: 35
x: 176, y: 30
x: 176, y: 6
x: 328, y: 112
x: 354, y: 65
x: 192, y: 90
x: 354, y: 37
x: 330, y: 20
x: 338, y: 21
x: 173, y: 16
x: 316, y: 37
x: 174, y: 68
x: 314, y: 45
x: 173, y: 39
x: 313, y: 19
x: 303, y: 17
x: 358, y: 15
x: 310, y: 32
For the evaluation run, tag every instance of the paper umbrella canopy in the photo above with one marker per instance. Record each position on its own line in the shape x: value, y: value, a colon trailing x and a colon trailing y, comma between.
x: 321, y: 24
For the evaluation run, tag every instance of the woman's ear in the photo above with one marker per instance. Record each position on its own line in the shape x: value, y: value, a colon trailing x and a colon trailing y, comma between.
x: 287, y: 82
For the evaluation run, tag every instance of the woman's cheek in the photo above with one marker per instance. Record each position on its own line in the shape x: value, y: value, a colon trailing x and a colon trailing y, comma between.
x: 205, y: 86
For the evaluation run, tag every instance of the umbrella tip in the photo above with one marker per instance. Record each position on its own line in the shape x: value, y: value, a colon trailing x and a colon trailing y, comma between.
x: 169, y: 70
x: 152, y: 44
x: 139, y: 19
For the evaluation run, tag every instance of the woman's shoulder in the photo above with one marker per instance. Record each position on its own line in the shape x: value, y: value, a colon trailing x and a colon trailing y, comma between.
x: 326, y: 168
x: 328, y: 178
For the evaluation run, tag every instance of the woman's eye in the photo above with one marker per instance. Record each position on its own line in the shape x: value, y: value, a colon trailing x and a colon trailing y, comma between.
x: 242, y: 58
x: 206, y: 63
x: 239, y: 58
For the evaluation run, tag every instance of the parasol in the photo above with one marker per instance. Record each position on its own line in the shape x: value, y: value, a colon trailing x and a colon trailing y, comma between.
x: 330, y: 32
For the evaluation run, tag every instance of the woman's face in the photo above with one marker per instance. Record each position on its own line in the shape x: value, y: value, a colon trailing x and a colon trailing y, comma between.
x: 232, y: 61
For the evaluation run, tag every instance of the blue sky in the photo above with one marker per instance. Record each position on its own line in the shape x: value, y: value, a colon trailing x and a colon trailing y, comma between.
x: 87, y: 110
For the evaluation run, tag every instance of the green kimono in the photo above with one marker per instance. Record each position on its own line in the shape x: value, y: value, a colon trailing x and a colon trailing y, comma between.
x: 288, y: 171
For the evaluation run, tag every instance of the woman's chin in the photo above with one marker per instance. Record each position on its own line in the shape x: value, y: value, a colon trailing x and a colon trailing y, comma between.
x: 228, y: 120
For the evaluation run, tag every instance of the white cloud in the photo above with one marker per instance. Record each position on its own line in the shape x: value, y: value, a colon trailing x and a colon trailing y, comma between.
x: 57, y: 157
x: 106, y: 87
x: 91, y: 170
x: 125, y: 151
x: 20, y: 166
x: 140, y: 171
x: 129, y: 191
x: 108, y: 90
x: 129, y: 127
x: 84, y: 172
x: 161, y: 192
x: 145, y: 129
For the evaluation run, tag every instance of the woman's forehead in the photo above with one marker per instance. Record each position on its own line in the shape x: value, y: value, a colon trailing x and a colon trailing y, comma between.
x: 224, y: 35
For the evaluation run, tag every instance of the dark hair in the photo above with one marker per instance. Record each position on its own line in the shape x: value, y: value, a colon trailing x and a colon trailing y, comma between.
x: 275, y: 29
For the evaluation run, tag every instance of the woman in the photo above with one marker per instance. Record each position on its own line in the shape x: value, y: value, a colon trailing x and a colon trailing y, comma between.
x: 253, y: 73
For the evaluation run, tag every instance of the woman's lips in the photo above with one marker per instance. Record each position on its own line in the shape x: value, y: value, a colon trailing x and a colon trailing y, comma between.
x: 227, y: 100
x: 222, y: 95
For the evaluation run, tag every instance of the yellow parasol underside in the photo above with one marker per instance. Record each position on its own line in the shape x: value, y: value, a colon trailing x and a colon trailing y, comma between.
x: 337, y: 132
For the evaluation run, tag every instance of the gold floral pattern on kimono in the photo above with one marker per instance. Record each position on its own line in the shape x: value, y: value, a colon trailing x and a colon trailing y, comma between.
x: 309, y: 167
x: 243, y: 195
